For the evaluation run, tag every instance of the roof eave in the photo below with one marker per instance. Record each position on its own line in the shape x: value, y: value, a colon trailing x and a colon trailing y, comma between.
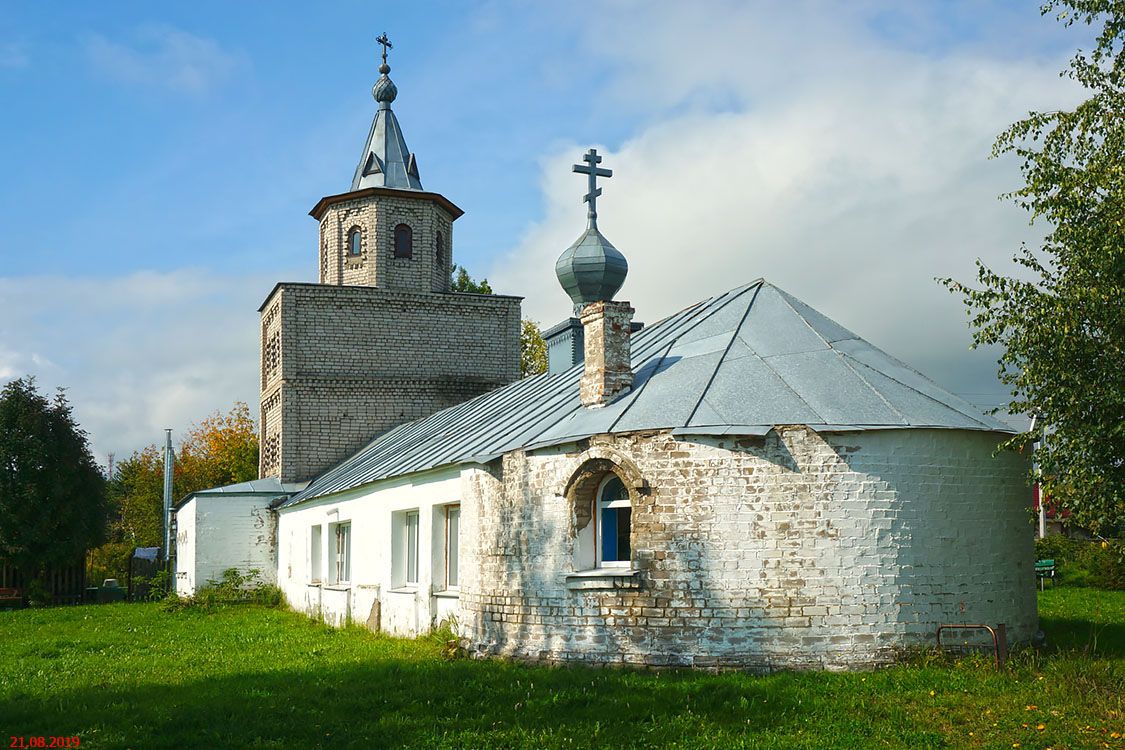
x: 316, y: 285
x: 324, y: 203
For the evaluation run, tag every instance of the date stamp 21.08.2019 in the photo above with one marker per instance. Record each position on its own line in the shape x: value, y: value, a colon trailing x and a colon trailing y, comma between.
x: 34, y: 742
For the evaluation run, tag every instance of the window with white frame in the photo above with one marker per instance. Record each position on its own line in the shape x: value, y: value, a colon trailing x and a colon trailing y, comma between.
x: 601, y: 491
x: 315, y: 552
x: 404, y: 548
x: 613, y: 519
x: 341, y: 559
x: 452, y: 545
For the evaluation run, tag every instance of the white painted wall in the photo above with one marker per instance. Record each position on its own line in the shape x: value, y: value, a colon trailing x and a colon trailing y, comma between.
x: 185, y: 549
x: 375, y: 595
x: 796, y: 550
x: 217, y: 532
x: 793, y: 551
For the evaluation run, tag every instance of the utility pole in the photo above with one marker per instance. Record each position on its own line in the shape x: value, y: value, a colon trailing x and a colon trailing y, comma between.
x: 169, y: 459
x: 1035, y: 474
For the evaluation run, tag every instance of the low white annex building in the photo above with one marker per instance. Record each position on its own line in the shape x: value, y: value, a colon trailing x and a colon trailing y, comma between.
x: 227, y: 527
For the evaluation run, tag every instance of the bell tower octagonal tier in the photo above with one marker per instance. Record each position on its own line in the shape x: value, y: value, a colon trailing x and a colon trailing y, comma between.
x: 387, y: 238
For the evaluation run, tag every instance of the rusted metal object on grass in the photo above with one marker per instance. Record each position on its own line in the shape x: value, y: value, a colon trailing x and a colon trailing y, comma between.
x: 999, y: 639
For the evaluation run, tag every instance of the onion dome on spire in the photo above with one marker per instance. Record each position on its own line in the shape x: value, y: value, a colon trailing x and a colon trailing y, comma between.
x: 592, y: 269
x: 384, y: 89
x: 386, y: 161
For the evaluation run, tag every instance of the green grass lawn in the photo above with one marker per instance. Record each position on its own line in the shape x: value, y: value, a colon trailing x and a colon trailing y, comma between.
x: 135, y: 676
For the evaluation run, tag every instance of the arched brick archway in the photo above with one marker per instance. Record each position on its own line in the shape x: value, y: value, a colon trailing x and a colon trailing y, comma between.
x: 592, y: 468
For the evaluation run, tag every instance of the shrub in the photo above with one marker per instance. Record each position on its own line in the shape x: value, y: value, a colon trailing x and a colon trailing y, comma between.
x: 1100, y: 564
x: 1059, y: 548
x: 233, y: 587
x: 37, y: 593
x: 445, y: 635
x: 1105, y: 562
x: 111, y: 560
x: 160, y: 586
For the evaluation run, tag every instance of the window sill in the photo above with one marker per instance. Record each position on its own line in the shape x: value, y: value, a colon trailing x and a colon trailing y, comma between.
x: 448, y: 594
x: 405, y: 590
x: 337, y: 587
x: 603, y: 578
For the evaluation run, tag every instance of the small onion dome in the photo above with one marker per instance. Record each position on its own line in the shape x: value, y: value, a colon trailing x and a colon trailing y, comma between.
x: 592, y: 269
x: 384, y: 89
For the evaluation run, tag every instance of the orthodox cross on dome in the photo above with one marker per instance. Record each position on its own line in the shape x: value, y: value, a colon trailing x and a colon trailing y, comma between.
x: 383, y: 40
x: 593, y: 172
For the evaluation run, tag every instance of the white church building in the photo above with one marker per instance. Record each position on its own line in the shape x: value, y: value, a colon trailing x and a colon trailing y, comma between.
x: 743, y: 484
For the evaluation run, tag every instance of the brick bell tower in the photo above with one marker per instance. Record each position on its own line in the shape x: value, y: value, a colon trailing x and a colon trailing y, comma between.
x: 380, y: 340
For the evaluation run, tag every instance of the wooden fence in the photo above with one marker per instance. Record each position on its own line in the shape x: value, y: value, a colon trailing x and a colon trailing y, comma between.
x: 67, y: 583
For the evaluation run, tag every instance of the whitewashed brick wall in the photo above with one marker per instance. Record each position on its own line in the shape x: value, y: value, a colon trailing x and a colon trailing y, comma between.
x: 217, y: 532
x: 795, y: 550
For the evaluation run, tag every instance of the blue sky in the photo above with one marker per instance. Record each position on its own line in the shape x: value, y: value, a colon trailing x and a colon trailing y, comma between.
x: 201, y: 134
x: 159, y: 161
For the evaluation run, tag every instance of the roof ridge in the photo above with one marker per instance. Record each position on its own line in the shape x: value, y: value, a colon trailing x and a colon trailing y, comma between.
x: 888, y: 376
x: 866, y: 382
x: 973, y: 413
x: 785, y: 297
x: 733, y: 294
x: 726, y: 351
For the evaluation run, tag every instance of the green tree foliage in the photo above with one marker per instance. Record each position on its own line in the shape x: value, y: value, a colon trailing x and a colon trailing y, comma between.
x: 461, y: 281
x: 220, y: 450
x: 52, y: 494
x: 1061, y: 320
x: 533, y: 349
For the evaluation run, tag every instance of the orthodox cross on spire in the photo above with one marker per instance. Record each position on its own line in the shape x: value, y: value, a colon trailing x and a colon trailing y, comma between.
x: 593, y: 172
x: 383, y: 40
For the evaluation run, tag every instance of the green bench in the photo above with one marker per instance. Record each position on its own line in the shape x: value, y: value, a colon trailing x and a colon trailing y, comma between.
x: 1045, y: 569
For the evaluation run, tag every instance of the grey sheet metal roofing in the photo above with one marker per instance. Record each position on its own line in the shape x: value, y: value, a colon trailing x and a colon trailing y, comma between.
x: 738, y: 363
x: 386, y: 161
x: 270, y: 486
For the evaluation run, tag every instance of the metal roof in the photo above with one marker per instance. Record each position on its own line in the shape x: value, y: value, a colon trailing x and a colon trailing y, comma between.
x: 738, y: 363
x: 386, y: 161
x: 269, y: 487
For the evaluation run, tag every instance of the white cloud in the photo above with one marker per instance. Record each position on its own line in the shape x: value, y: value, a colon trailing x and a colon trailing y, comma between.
x: 164, y: 57
x: 846, y: 171
x: 137, y: 353
x: 782, y: 141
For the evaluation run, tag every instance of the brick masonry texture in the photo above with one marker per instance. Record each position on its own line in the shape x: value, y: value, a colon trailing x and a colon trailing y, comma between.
x: 378, y: 342
x: 358, y: 360
x: 608, y: 366
x: 342, y: 363
x: 376, y: 218
x: 792, y: 550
